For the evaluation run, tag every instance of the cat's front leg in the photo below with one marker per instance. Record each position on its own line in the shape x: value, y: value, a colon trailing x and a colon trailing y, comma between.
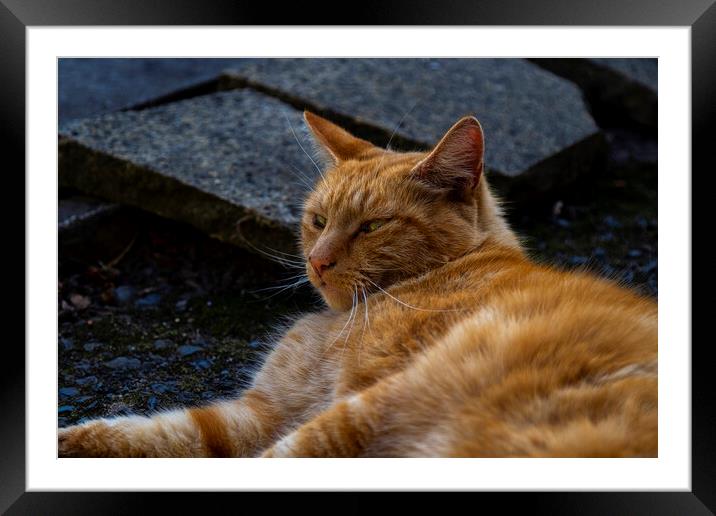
x: 238, y: 428
x: 170, y: 434
x: 347, y: 429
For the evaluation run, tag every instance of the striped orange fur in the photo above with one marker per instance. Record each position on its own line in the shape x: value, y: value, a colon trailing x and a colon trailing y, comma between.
x: 441, y: 337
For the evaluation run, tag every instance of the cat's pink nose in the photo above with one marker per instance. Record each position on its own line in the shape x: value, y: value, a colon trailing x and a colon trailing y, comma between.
x: 321, y: 264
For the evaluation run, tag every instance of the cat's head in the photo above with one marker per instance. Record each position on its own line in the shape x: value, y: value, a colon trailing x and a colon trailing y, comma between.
x: 378, y: 216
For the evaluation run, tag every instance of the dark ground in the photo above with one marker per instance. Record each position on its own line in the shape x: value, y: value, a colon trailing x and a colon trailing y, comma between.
x: 177, y: 320
x: 153, y: 314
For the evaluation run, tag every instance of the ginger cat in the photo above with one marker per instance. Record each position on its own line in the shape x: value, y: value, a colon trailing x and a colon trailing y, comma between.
x: 441, y: 338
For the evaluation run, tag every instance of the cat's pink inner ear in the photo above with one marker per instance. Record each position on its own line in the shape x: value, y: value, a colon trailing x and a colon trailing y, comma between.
x: 458, y: 159
x: 339, y: 143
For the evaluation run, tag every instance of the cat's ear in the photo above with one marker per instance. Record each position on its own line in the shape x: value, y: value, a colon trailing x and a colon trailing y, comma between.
x: 457, y: 161
x: 336, y: 141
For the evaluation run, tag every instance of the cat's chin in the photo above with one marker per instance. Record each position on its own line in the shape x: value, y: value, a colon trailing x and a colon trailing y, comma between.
x: 337, y: 299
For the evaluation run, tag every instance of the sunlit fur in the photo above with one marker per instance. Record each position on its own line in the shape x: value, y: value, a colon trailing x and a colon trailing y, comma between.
x: 441, y: 337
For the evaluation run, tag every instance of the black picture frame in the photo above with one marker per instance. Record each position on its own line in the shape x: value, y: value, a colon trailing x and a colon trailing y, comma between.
x: 700, y: 15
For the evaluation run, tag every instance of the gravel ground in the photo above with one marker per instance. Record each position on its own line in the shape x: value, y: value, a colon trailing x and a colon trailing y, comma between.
x: 177, y: 320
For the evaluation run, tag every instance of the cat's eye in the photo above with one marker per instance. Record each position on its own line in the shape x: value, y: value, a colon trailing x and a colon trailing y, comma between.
x: 371, y: 225
x: 319, y: 221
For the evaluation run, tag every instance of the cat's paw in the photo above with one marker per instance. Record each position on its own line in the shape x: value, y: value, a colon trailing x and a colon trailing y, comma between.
x: 86, y: 440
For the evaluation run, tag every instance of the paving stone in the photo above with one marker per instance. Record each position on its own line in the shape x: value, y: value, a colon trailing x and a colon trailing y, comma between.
x: 529, y: 116
x: 211, y: 161
x: 223, y: 158
x: 90, y: 87
x: 622, y: 93
x: 643, y: 71
x: 77, y: 212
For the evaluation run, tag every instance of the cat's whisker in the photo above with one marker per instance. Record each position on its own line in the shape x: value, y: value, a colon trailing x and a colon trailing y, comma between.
x: 392, y: 135
x: 366, y: 324
x: 286, y: 263
x: 282, y: 288
x: 304, y: 179
x: 301, y: 146
x: 289, y: 263
x: 289, y: 256
x: 297, y: 258
x: 298, y: 280
x: 350, y: 315
x: 409, y: 305
x: 354, y: 312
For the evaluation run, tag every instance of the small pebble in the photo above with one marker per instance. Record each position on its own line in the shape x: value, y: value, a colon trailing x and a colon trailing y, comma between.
x: 65, y: 408
x: 68, y: 391
x: 152, y: 403
x: 188, y: 349
x: 67, y: 344
x: 160, y: 388
x: 124, y: 363
x: 557, y: 208
x: 83, y: 365
x: 91, y: 346
x: 80, y: 302
x: 649, y: 267
x: 611, y: 222
x: 202, y: 364
x: 163, y: 344
x: 634, y: 253
x: 563, y: 223
x: 124, y: 294
x: 87, y: 380
x: 148, y: 301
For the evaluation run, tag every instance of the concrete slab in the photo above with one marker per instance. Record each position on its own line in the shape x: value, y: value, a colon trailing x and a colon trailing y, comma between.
x: 643, y: 71
x: 89, y: 87
x: 530, y: 116
x: 76, y: 211
x: 210, y: 161
x: 621, y: 93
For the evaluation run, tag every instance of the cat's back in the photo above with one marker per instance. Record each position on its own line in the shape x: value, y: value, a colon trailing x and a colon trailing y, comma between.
x: 500, y: 287
x: 530, y: 360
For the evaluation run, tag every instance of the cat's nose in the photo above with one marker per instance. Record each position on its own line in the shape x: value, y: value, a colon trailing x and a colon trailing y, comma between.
x: 321, y: 264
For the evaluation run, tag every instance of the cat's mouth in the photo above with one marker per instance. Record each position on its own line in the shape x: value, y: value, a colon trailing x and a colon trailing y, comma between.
x: 333, y: 292
x: 327, y: 288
